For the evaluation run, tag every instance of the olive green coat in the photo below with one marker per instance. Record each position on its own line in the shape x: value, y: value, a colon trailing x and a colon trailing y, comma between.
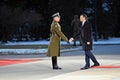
x: 56, y: 35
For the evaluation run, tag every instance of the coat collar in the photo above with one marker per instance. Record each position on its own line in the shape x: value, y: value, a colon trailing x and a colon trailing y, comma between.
x: 84, y: 23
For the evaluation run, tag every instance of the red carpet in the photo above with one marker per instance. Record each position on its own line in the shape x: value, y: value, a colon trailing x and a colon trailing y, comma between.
x: 107, y: 66
x: 4, y: 62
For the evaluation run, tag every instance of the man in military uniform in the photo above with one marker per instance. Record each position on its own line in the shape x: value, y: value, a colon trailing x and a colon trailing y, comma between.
x: 56, y: 35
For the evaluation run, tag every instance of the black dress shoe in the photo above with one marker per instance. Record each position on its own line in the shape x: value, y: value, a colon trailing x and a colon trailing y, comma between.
x: 95, y: 65
x: 85, y: 68
x: 57, y: 68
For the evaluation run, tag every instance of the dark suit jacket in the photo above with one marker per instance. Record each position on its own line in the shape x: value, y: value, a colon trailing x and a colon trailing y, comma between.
x: 86, y: 35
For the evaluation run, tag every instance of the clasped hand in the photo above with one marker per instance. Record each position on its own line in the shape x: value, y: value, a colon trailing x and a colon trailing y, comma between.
x: 70, y: 40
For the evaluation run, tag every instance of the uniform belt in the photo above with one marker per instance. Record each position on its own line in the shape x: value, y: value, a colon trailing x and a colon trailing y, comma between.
x: 54, y: 34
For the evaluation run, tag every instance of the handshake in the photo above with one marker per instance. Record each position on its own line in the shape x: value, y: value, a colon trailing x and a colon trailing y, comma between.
x: 70, y: 40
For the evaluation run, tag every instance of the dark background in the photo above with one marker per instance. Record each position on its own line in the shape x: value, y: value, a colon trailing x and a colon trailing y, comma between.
x: 30, y: 19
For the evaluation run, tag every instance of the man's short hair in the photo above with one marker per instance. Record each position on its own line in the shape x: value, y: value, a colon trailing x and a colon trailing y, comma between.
x: 84, y: 15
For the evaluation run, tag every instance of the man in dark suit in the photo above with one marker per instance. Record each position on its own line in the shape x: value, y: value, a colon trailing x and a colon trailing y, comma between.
x: 86, y: 36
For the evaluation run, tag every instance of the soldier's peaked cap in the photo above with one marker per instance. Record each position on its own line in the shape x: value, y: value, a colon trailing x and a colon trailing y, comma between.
x: 56, y: 15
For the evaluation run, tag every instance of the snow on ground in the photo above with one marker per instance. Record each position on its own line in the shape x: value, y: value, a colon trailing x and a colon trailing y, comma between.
x: 29, y: 51
x: 110, y: 41
x: 22, y: 51
x: 44, y: 42
x: 37, y: 51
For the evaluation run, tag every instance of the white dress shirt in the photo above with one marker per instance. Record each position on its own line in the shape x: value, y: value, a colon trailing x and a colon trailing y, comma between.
x: 83, y: 22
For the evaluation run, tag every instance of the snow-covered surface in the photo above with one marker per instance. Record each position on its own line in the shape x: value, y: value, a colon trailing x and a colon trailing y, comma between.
x: 44, y: 42
x: 110, y: 41
x: 22, y: 51
x: 29, y: 51
x: 37, y: 51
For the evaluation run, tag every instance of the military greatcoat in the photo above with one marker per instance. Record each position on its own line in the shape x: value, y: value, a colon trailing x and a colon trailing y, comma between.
x: 56, y: 36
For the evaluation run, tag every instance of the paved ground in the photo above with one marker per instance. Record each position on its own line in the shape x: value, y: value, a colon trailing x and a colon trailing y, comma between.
x: 71, y: 62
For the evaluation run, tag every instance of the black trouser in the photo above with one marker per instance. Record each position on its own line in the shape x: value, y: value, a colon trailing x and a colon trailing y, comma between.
x: 54, y: 61
x: 89, y: 55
